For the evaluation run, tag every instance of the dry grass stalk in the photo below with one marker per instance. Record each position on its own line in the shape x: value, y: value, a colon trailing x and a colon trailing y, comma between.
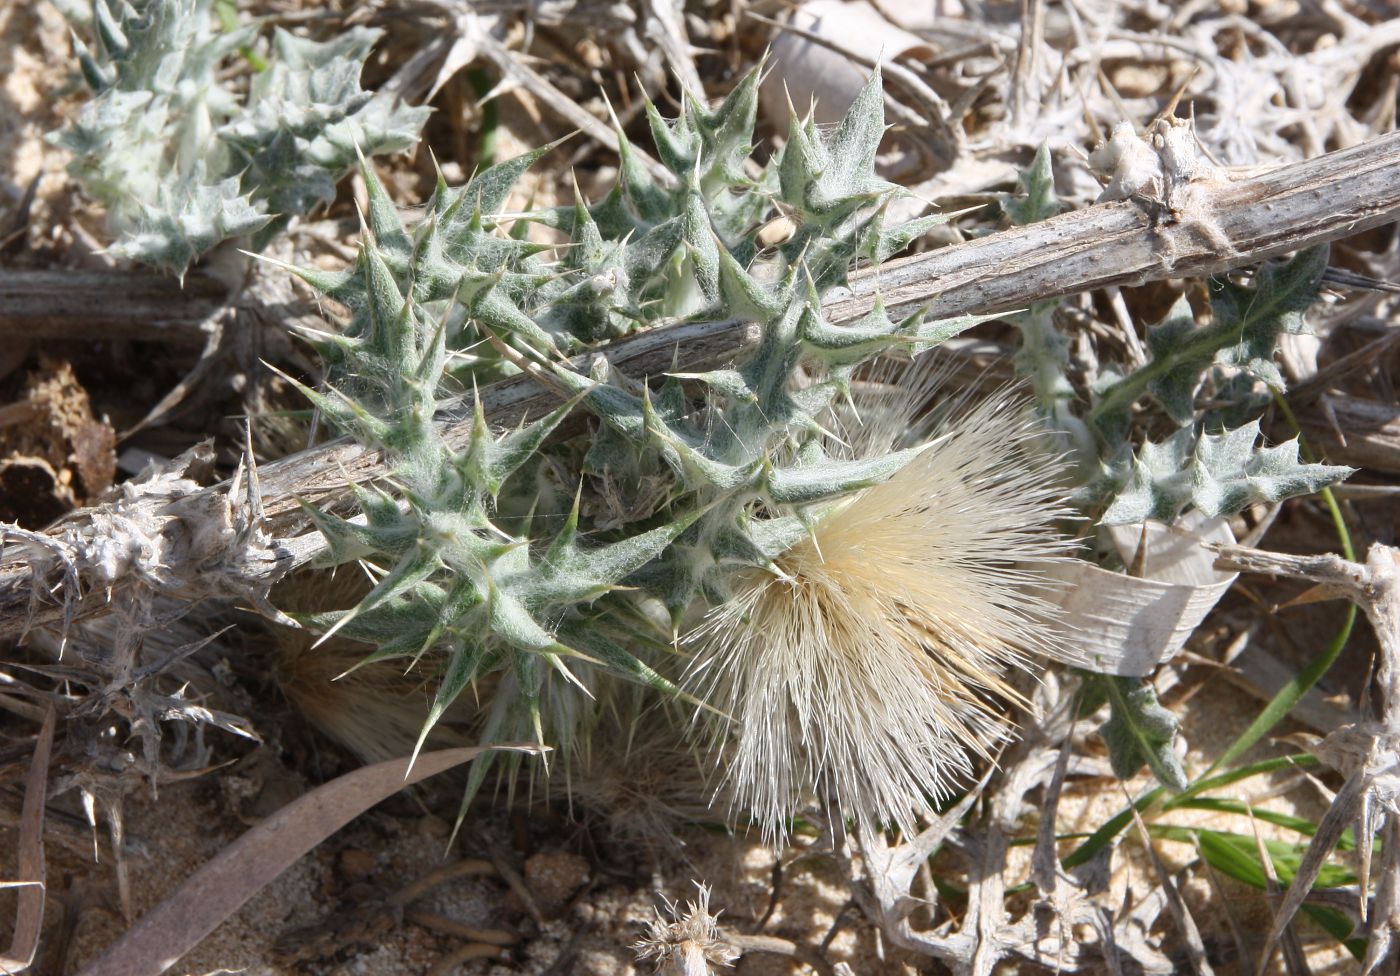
x: 29, y: 913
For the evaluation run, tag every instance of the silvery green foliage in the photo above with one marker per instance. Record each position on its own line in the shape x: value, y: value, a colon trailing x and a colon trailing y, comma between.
x: 181, y: 161
x: 1213, y: 461
x: 1139, y: 731
x: 1218, y: 474
x: 1037, y: 200
x: 1204, y: 464
x: 493, y: 567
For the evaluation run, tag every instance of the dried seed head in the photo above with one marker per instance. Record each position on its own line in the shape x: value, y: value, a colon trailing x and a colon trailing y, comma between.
x: 690, y: 943
x: 861, y: 673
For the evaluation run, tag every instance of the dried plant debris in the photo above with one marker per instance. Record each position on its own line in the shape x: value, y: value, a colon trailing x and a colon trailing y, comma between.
x: 135, y: 711
x: 55, y: 455
x: 1365, y: 752
x: 241, y: 870
x: 29, y: 911
x: 199, y: 545
x: 1264, y: 86
x: 689, y: 942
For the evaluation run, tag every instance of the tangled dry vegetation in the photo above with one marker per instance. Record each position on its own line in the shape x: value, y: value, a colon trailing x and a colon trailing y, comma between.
x: 1170, y: 226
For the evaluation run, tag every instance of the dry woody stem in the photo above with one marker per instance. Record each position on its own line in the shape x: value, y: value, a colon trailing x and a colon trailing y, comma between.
x: 1121, y: 243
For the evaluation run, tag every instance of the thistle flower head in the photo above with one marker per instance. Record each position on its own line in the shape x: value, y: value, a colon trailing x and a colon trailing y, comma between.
x: 691, y: 943
x: 860, y: 670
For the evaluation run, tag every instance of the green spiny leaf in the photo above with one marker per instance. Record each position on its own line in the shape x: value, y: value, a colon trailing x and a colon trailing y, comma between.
x: 463, y: 666
x: 1175, y: 389
x: 850, y: 178
x: 1272, y: 306
x: 1038, y: 201
x: 487, y: 191
x: 586, y: 637
x: 1140, y: 732
x: 415, y: 566
x: 1218, y: 474
x: 1245, y: 325
x: 573, y: 574
x: 800, y: 486
x: 490, y: 461
x: 384, y: 220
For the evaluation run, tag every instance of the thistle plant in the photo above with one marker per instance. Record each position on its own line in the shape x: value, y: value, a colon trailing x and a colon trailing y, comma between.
x: 547, y: 567
x: 1211, y: 381
x: 184, y: 156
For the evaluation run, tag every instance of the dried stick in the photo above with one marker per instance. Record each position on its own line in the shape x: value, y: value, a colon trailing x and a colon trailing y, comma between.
x: 107, y: 305
x: 1121, y: 243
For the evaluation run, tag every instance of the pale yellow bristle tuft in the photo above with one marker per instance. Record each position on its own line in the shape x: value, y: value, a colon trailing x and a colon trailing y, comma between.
x: 863, y: 673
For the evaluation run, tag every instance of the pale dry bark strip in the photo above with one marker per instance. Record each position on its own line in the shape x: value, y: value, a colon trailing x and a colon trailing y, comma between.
x: 1121, y: 243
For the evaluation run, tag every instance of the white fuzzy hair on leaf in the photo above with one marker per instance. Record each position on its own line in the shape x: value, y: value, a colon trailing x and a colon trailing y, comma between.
x: 860, y: 669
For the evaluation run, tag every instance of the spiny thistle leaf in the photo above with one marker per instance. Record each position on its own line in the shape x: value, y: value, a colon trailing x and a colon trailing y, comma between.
x: 1139, y: 731
x: 1246, y: 322
x: 1271, y: 306
x: 800, y: 485
x: 183, y: 163
x: 1175, y: 388
x: 882, y: 243
x: 1037, y: 200
x: 1217, y: 474
x: 1223, y: 473
x: 849, y: 181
